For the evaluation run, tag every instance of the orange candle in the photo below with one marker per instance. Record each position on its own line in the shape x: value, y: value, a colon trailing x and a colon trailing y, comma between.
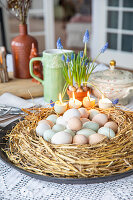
x: 88, y: 102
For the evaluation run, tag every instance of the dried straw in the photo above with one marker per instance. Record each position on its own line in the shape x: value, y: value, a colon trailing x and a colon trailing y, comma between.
x: 34, y: 154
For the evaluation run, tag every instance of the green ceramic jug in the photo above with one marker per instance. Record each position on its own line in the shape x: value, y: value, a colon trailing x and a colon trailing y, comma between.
x: 54, y: 81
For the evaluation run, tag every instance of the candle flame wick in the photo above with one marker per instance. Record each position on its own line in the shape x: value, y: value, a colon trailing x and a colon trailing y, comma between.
x: 88, y: 95
x: 60, y: 98
x: 102, y: 96
x: 0, y: 59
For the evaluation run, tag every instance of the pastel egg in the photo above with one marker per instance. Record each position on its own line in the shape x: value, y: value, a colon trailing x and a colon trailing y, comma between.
x: 61, y: 138
x: 85, y: 132
x: 91, y: 125
x: 52, y: 118
x: 80, y: 139
x: 83, y: 120
x: 96, y: 138
x: 70, y: 131
x: 107, y: 132
x: 46, y: 122
x: 74, y: 124
x: 58, y: 128
x: 41, y: 128
x: 84, y: 112
x: 48, y: 134
x: 60, y: 120
x: 112, y: 125
x: 71, y: 113
x: 101, y: 119
x: 93, y: 113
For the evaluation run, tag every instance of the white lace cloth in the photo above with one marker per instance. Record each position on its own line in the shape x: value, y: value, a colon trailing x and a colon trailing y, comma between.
x: 17, y: 186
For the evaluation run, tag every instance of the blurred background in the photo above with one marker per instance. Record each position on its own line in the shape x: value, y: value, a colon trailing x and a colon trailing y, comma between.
x: 106, y: 20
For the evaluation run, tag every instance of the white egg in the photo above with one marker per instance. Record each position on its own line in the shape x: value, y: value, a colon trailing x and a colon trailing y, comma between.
x: 70, y: 131
x: 52, y: 118
x: 58, y: 127
x: 85, y: 132
x: 60, y: 120
x: 96, y: 138
x: 44, y: 121
x: 61, y: 138
x: 107, y: 132
x: 84, y: 112
x: 41, y: 128
x: 71, y: 113
x: 101, y: 119
x: 92, y: 113
x: 48, y: 134
x: 91, y: 125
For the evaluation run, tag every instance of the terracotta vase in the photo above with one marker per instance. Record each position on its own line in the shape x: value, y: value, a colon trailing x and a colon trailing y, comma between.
x: 21, y: 47
x: 78, y: 95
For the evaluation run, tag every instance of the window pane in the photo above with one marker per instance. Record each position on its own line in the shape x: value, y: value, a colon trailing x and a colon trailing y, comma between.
x: 112, y: 40
x: 128, y: 20
x: 127, y: 43
x: 112, y: 19
x: 128, y: 3
x: 113, y: 2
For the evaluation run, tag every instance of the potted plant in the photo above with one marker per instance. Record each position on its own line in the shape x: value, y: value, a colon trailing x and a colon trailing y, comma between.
x: 77, y: 69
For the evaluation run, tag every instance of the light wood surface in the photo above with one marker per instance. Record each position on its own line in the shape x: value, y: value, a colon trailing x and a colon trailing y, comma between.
x: 21, y: 87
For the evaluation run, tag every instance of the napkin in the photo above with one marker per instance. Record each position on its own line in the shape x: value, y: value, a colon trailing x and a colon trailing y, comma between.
x: 9, y: 99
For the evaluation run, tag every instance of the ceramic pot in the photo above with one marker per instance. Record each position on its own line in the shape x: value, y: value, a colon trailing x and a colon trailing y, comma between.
x: 78, y: 95
x: 21, y: 47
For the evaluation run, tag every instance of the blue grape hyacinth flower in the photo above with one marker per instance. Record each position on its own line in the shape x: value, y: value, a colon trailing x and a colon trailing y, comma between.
x: 86, y: 37
x: 115, y: 101
x: 52, y: 103
x: 72, y: 56
x: 59, y: 45
x: 63, y: 58
x: 67, y: 60
x: 81, y: 54
x: 104, y: 48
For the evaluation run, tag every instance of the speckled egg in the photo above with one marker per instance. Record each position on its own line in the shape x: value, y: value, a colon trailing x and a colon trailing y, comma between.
x: 41, y: 128
x: 74, y: 124
x: 48, y: 134
x: 85, y: 132
x: 70, y: 131
x: 112, y: 125
x: 52, y: 118
x: 93, y: 113
x: 83, y: 120
x: 80, y: 139
x: 44, y: 121
x: 60, y: 120
x: 96, y: 138
x: 61, y: 138
x: 58, y: 127
x: 84, y: 112
x: 107, y: 132
x: 101, y: 119
x: 71, y: 113
x: 91, y: 125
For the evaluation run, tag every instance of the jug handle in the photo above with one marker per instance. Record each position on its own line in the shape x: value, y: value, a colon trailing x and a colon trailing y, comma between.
x: 31, y: 69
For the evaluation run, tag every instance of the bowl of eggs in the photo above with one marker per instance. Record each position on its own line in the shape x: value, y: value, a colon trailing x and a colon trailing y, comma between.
x: 80, y: 144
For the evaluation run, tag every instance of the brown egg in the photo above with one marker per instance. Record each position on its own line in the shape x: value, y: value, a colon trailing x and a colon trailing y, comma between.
x: 74, y: 124
x: 96, y: 138
x: 44, y: 121
x: 101, y: 119
x: 84, y: 112
x: 83, y: 120
x: 80, y: 139
x: 112, y: 125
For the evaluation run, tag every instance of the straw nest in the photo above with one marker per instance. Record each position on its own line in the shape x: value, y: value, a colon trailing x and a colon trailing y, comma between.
x: 34, y: 154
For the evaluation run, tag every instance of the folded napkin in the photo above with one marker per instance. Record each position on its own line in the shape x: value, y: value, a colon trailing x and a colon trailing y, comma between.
x: 9, y: 99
